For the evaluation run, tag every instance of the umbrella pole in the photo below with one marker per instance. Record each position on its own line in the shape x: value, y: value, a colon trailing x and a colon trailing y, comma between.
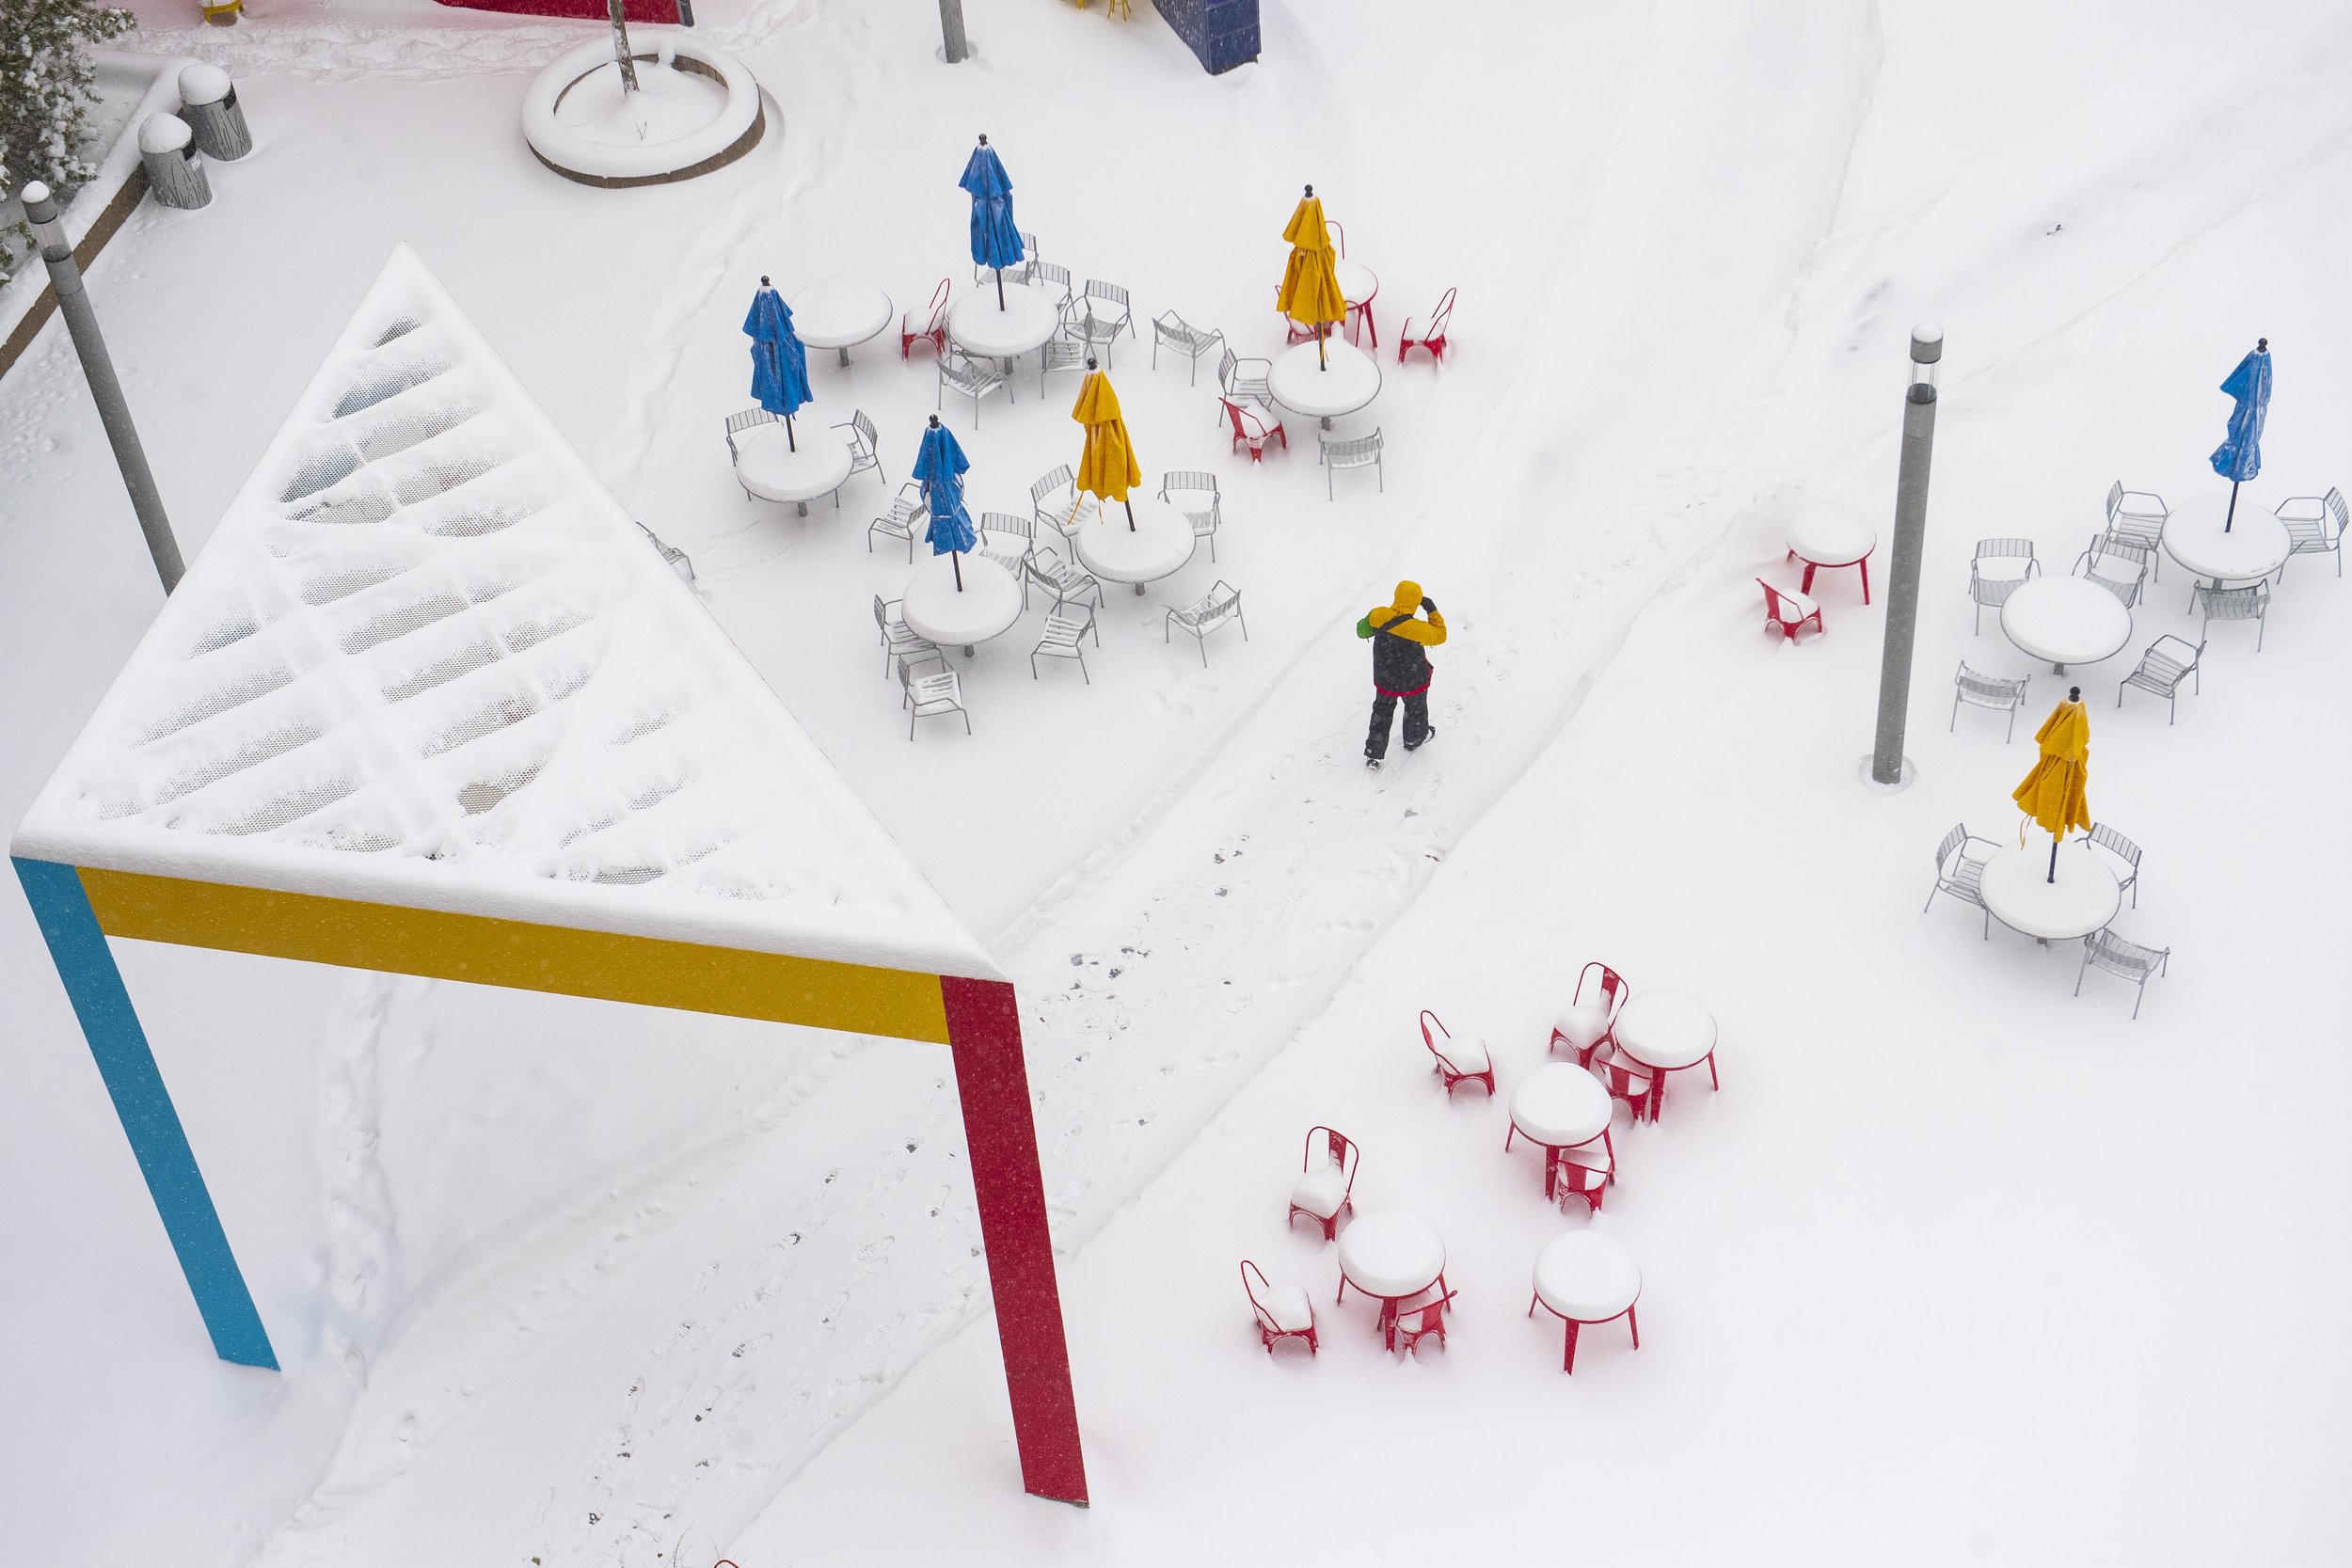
x: 1320, y: 363
x: 788, y: 439
x: 1131, y: 513
x: 2054, y: 848
x: 955, y: 559
x: 2232, y: 517
x: 1000, y: 287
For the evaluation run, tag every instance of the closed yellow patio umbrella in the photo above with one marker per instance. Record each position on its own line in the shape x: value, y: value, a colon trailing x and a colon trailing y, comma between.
x: 1310, y: 284
x: 2056, y: 793
x: 1107, y: 467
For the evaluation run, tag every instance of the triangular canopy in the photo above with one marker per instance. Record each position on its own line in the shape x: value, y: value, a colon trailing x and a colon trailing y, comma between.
x: 426, y: 660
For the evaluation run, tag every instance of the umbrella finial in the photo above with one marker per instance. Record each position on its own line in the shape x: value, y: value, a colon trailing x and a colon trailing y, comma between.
x: 2262, y: 345
x: 1310, y: 190
x: 1089, y: 361
x: 983, y: 138
x: 763, y: 280
x: 2074, y: 693
x: 934, y: 421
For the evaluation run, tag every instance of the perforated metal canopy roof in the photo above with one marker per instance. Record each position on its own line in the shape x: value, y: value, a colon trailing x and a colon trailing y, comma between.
x: 426, y: 659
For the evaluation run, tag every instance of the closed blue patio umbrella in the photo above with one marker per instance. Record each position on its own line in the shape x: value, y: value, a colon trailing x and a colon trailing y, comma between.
x: 939, y: 468
x: 779, y: 363
x: 995, y: 239
x: 2240, y: 458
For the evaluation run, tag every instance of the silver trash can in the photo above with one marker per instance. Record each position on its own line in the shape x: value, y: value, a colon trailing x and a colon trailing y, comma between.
x: 208, y: 101
x: 175, y: 170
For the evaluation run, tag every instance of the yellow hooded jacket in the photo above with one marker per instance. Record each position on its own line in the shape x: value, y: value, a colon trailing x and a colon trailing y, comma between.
x: 1399, y: 664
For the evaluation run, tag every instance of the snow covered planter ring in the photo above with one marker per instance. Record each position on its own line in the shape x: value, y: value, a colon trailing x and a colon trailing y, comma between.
x: 695, y: 111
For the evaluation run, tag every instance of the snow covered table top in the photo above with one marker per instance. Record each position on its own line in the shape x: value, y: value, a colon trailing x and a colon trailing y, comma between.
x: 1160, y: 543
x: 425, y: 659
x: 2255, y: 546
x: 1560, y: 1105
x: 2066, y: 621
x: 1300, y: 385
x: 1665, y: 1029
x: 2016, y: 888
x: 1390, y: 1254
x: 839, y: 312
x: 812, y: 462
x: 1586, y: 1277
x: 1831, y: 533
x: 934, y: 611
x: 1028, y: 318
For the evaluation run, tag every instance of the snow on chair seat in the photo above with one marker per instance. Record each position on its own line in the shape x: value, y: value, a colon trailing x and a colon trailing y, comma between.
x: 1326, y: 1187
x: 1787, y: 610
x: 1459, y: 1061
x: 1583, y: 1026
x: 1282, y: 1311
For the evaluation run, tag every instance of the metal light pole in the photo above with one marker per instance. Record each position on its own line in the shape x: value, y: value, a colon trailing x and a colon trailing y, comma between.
x: 951, y: 30
x: 65, y: 277
x: 1910, y: 527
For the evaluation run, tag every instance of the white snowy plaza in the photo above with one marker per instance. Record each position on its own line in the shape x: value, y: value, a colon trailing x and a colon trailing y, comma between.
x: 510, y: 609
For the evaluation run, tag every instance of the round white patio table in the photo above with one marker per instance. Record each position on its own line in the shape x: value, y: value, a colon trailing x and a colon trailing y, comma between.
x: 1392, y: 1255
x: 1831, y: 533
x: 1358, y: 283
x: 2066, y: 621
x: 2255, y: 546
x: 798, y: 468
x: 1160, y: 543
x: 936, y: 611
x: 1586, y: 1277
x: 1665, y: 1031
x: 840, y: 313
x: 1301, y: 385
x: 1558, y: 1106
x: 2015, y: 886
x: 1028, y: 318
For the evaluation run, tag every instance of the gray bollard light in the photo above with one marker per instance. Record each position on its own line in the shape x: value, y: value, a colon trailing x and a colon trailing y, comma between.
x: 208, y: 101
x: 175, y: 170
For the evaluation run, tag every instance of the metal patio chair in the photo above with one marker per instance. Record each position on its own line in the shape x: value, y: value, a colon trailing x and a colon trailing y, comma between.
x: 1992, y: 592
x: 2250, y: 603
x: 901, y: 646
x: 2168, y: 661
x: 905, y: 519
x: 1979, y: 690
x: 1212, y: 609
x: 1068, y: 582
x: 1045, y: 275
x: 1059, y: 503
x: 865, y: 447
x: 738, y: 423
x: 1959, y: 871
x: 1246, y: 379
x: 1361, y: 451
x: 2315, y: 527
x: 2123, y: 849
x: 975, y: 378
x: 1106, y: 314
x: 2117, y: 565
x: 1013, y: 539
x: 2104, y: 949
x: 1201, y: 502
x: 931, y: 696
x: 1061, y: 640
x: 1173, y: 330
x: 2137, y: 517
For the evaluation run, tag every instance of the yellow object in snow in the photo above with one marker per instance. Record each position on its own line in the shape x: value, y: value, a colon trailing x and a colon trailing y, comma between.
x: 1107, y: 467
x: 1310, y: 284
x: 2056, y: 793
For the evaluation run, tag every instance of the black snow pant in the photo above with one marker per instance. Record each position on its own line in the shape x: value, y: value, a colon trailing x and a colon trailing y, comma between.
x: 1383, y: 710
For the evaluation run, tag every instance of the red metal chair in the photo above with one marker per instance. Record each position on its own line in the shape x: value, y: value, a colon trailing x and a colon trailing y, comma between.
x: 1339, y: 236
x: 1283, y: 1312
x: 1787, y: 610
x: 1431, y: 337
x: 1414, y: 1321
x: 1628, y: 1080
x: 1326, y: 1189
x: 1249, y: 426
x: 1457, y: 1064
x: 933, y: 332
x: 1565, y: 1178
x: 1584, y: 1028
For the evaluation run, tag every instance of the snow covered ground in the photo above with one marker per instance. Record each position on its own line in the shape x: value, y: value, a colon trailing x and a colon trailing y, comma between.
x: 1956, y: 1267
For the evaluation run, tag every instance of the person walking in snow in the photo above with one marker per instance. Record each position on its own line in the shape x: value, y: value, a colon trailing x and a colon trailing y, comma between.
x: 1400, y: 667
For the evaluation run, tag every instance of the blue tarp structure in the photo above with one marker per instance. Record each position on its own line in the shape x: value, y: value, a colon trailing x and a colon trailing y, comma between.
x: 939, y: 468
x: 995, y: 238
x: 779, y: 363
x: 2240, y: 457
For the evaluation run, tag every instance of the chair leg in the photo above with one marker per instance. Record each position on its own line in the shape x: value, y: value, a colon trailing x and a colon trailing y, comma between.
x: 1635, y: 1324
x: 1567, y: 1357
